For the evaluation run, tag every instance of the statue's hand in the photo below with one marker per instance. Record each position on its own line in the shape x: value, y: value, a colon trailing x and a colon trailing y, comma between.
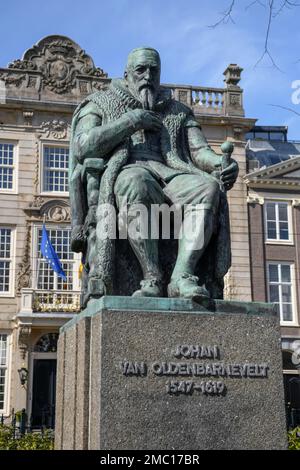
x: 230, y: 174
x: 143, y: 119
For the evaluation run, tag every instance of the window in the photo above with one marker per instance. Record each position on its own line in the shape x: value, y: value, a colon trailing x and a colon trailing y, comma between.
x: 55, y: 169
x: 281, y: 290
x: 260, y: 133
x: 3, y: 370
x: 5, y: 260
x: 47, y: 279
x: 277, y: 136
x: 277, y: 216
x: 47, y: 343
x: 7, y: 167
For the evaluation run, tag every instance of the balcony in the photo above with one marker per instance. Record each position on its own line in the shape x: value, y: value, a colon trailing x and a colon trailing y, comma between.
x: 202, y: 100
x: 40, y: 301
x: 213, y: 101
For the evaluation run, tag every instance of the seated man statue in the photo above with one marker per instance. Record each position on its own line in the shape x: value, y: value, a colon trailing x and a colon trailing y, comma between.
x: 132, y: 143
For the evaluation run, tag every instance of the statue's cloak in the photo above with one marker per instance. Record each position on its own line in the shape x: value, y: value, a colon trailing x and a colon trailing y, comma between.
x: 112, y: 103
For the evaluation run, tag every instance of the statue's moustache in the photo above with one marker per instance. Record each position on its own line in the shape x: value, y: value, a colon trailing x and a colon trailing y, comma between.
x: 146, y: 86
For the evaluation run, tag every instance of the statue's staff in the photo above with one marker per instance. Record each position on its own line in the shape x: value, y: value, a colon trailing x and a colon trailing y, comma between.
x: 227, y: 149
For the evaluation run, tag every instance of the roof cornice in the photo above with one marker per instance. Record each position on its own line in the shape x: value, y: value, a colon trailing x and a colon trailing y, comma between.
x: 291, y: 164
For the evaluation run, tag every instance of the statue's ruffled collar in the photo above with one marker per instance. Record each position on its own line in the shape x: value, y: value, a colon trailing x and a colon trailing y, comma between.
x: 120, y: 88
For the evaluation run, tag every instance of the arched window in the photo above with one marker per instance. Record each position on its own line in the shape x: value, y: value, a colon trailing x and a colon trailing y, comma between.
x: 47, y: 343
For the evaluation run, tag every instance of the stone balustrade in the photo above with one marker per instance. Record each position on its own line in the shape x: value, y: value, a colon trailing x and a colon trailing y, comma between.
x: 205, y: 100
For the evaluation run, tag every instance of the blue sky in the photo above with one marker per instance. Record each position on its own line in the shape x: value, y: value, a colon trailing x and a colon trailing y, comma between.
x: 192, y: 53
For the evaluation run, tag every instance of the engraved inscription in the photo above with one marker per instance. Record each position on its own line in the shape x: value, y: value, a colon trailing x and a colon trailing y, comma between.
x: 210, y: 369
x: 197, y: 351
x: 188, y: 387
x: 186, y: 368
x: 130, y: 368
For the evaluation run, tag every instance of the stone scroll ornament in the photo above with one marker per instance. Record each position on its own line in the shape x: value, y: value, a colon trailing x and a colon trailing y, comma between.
x: 57, y: 62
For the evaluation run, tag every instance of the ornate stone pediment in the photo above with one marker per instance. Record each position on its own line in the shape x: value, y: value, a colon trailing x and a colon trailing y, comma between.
x: 22, y: 65
x: 60, y: 61
x: 14, y: 79
x: 36, y: 204
x: 55, y: 211
x: 59, y: 212
x: 56, y: 129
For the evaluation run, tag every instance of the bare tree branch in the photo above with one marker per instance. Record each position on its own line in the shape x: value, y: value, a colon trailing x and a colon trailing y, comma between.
x: 273, y: 9
x: 226, y: 16
x: 266, y: 48
x: 284, y: 107
x: 282, y: 6
x: 258, y: 2
x: 285, y: 4
x: 292, y: 4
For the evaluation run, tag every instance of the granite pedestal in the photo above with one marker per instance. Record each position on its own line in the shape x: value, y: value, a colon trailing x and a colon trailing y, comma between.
x: 169, y: 374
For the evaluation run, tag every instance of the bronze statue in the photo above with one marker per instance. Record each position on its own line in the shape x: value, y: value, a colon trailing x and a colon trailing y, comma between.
x: 133, y: 144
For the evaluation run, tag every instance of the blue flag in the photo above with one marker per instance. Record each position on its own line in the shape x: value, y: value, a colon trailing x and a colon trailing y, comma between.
x: 49, y: 253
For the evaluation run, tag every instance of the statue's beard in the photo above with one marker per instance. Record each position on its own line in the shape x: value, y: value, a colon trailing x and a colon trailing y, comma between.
x: 147, y: 98
x: 145, y: 95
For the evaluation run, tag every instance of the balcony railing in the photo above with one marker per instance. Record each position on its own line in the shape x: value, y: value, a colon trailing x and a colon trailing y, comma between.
x: 49, y: 301
x: 210, y: 101
x: 202, y: 100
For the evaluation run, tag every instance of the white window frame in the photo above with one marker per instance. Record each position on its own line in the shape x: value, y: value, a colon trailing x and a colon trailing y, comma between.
x: 15, y: 166
x: 36, y: 256
x: 294, y: 322
x: 11, y: 291
x: 44, y: 144
x: 278, y: 241
x: 5, y: 410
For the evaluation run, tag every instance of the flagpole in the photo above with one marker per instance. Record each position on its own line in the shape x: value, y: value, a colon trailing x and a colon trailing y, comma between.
x: 49, y: 254
x: 39, y: 260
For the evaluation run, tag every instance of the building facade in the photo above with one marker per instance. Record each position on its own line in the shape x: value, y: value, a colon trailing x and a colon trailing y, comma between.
x: 273, y: 182
x: 38, y: 95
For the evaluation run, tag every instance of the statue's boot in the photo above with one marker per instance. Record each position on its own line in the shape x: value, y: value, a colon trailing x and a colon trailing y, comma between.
x: 95, y: 286
x: 149, y: 288
x: 146, y: 251
x: 186, y: 286
x: 191, y: 246
x: 96, y: 289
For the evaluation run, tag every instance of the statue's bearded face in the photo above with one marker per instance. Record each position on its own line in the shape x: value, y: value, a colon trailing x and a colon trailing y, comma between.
x: 143, y: 76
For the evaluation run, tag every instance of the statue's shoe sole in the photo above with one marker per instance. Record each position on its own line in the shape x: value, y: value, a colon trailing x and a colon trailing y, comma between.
x: 201, y: 300
x: 197, y: 297
x: 140, y: 293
